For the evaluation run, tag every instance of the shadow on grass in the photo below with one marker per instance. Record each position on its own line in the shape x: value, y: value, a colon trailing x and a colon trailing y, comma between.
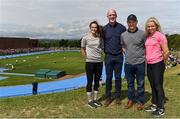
x: 149, y: 95
x: 124, y: 95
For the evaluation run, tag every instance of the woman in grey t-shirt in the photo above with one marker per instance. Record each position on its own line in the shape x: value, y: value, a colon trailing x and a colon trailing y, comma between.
x: 91, y: 50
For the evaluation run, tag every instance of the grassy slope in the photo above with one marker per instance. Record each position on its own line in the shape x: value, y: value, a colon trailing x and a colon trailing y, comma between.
x: 73, y: 103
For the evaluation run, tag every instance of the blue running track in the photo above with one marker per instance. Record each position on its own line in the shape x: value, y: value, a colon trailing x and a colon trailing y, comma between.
x: 44, y: 88
x: 48, y: 87
x: 35, y: 53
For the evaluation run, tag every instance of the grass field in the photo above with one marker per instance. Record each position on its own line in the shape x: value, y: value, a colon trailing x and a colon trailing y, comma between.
x: 20, y: 80
x: 71, y: 62
x: 73, y: 103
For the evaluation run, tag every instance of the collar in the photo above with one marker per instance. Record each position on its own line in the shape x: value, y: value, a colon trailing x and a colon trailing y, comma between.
x: 113, y: 25
x: 134, y: 31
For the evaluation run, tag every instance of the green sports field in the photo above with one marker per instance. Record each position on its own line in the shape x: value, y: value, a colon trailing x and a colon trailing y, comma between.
x: 71, y: 62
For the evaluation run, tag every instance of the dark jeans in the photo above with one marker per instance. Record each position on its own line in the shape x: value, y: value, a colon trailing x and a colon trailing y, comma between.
x: 113, y: 63
x: 34, y: 91
x: 137, y: 72
x: 155, y: 74
x: 34, y: 87
x: 93, y: 72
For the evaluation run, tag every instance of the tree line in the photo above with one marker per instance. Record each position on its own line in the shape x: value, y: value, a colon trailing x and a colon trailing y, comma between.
x: 73, y: 43
x: 173, y: 42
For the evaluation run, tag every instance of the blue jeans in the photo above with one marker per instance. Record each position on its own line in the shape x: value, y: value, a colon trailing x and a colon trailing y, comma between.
x: 137, y: 72
x: 113, y: 63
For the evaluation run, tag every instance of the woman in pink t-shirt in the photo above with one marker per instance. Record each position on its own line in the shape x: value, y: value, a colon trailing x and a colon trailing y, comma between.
x: 156, y: 57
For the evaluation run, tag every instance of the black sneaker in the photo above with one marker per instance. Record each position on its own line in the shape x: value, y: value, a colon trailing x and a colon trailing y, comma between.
x: 151, y: 108
x: 92, y: 105
x: 158, y: 112
x: 97, y: 103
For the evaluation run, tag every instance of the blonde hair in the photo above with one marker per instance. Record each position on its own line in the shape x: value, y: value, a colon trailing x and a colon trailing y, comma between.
x: 156, y: 22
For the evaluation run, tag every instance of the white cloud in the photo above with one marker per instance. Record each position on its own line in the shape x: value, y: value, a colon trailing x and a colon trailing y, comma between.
x: 60, y: 18
x: 51, y: 31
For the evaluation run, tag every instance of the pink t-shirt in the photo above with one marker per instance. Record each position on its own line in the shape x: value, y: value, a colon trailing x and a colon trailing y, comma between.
x: 153, y: 47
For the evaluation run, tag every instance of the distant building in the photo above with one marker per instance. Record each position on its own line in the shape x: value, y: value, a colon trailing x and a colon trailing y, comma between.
x: 16, y: 43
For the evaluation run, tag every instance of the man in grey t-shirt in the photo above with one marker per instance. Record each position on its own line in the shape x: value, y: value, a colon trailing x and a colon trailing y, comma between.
x: 133, y: 46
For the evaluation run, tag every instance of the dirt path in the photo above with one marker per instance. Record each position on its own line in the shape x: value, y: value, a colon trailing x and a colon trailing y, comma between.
x: 70, y: 76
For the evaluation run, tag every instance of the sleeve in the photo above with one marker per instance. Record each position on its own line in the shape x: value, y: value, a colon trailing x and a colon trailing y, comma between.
x: 122, y: 42
x: 83, y: 42
x: 102, y: 43
x: 162, y: 39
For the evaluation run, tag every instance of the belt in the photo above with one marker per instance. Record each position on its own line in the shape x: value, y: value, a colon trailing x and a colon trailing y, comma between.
x: 114, y: 54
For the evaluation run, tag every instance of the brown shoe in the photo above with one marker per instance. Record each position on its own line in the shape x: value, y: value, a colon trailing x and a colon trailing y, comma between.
x: 129, y: 104
x: 140, y: 107
x: 107, y: 102
x: 118, y: 101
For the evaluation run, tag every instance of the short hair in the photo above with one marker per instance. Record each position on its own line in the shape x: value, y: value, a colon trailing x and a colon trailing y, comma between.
x: 156, y: 22
x: 113, y: 10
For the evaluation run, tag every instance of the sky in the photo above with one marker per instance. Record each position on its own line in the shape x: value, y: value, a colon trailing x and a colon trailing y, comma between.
x: 67, y: 19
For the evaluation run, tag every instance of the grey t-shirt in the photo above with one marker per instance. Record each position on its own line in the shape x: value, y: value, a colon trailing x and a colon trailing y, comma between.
x: 133, y: 43
x: 93, y: 47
